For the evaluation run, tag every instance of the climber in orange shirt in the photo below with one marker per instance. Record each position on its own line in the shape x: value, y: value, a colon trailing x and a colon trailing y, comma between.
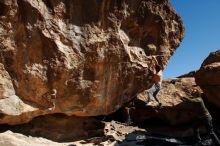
x: 153, y: 91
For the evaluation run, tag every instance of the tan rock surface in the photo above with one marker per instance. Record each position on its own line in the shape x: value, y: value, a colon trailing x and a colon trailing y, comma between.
x: 9, y: 138
x: 90, y: 53
x: 208, y: 77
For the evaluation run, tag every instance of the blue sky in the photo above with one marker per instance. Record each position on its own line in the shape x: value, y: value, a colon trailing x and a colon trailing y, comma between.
x: 201, y: 19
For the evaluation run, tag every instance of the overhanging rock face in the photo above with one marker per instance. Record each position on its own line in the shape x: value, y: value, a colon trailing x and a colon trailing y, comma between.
x: 86, y: 54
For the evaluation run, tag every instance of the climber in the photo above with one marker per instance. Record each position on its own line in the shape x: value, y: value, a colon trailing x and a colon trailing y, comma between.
x: 202, y: 116
x: 53, y: 98
x: 153, y: 91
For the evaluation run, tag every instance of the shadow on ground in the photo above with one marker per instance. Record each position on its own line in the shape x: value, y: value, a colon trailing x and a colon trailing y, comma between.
x: 59, y: 128
x: 139, y: 138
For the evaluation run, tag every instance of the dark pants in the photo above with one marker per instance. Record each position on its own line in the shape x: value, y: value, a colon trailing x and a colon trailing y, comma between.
x: 207, y: 122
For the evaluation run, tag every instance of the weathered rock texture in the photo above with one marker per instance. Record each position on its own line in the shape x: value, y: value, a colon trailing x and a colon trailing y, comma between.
x: 9, y: 138
x: 208, y: 77
x: 174, y: 111
x: 91, y: 52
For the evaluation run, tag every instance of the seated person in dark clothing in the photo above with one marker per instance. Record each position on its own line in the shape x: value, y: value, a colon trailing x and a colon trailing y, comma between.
x: 202, y: 115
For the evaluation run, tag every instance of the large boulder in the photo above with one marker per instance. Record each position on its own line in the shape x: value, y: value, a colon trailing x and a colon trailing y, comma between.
x: 174, y: 110
x: 82, y: 56
x: 208, y: 77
